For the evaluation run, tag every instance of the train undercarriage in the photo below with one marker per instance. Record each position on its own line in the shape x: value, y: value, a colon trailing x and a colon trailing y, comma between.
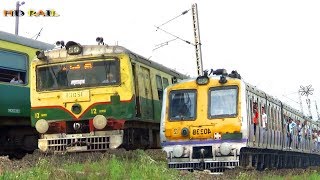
x: 17, y: 141
x: 261, y: 159
x: 249, y: 159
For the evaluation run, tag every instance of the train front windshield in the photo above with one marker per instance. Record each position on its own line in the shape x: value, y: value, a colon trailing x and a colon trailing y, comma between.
x: 223, y: 102
x: 182, y: 105
x: 78, y: 74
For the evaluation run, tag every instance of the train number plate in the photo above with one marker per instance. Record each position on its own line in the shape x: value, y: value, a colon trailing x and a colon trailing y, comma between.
x: 201, y: 132
x: 73, y: 96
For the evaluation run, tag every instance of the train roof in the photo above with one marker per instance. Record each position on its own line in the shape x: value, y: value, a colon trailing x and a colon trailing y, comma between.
x: 157, y: 65
x: 24, y: 41
x: 254, y: 89
x: 101, y: 49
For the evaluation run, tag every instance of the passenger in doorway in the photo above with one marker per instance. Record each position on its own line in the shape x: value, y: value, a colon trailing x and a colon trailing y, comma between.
x: 110, y: 78
x: 306, y: 130
x: 299, y: 129
x: 255, y: 119
x: 318, y: 141
x: 315, y: 139
x: 264, y: 123
x: 16, y: 80
x: 291, y: 126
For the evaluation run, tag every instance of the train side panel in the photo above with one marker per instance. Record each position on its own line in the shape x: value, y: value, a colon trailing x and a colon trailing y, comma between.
x: 17, y: 136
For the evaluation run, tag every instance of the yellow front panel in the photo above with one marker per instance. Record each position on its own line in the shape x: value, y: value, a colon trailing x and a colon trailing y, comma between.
x: 203, y: 127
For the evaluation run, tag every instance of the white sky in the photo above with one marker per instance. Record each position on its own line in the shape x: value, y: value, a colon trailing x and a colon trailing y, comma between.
x: 273, y: 44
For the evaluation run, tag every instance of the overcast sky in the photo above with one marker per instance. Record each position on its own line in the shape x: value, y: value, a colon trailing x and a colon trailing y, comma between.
x: 273, y: 44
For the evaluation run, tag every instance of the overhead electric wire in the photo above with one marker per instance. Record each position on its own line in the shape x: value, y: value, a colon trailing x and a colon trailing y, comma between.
x: 183, y: 13
x: 188, y: 42
x: 176, y: 37
x: 37, y: 35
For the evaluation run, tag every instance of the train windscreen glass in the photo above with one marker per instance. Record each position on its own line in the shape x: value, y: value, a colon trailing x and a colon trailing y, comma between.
x: 223, y: 102
x: 182, y: 105
x: 78, y: 74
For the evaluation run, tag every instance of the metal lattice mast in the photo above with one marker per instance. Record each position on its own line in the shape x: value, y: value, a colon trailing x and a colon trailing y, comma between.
x: 197, y: 39
x: 306, y: 91
x: 300, y: 101
x: 315, y: 102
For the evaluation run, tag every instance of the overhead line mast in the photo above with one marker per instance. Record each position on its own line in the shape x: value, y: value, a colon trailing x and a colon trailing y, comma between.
x: 197, y: 39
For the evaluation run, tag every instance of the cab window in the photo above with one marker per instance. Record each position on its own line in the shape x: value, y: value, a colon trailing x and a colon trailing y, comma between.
x: 78, y: 74
x: 182, y: 105
x: 223, y: 102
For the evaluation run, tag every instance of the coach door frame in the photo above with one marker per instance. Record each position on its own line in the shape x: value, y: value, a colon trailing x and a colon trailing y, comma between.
x: 145, y: 88
x: 135, y: 73
x: 252, y: 97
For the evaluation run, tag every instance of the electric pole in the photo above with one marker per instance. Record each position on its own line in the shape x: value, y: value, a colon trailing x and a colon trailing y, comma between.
x: 196, y: 31
x: 197, y: 39
x: 18, y: 4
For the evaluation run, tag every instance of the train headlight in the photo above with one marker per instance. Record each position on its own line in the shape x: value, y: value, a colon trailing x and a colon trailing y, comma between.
x: 41, y: 56
x: 185, y: 132
x: 223, y: 79
x: 99, y: 121
x: 42, y: 126
x: 202, y: 80
x: 73, y: 48
x: 225, y: 148
x: 177, y: 151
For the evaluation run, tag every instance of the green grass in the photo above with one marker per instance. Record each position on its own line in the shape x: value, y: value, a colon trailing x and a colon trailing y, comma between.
x: 311, y: 175
x: 134, y: 166
x: 139, y: 166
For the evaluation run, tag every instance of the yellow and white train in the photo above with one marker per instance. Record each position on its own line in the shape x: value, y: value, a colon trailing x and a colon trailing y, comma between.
x: 96, y: 97
x: 207, y: 123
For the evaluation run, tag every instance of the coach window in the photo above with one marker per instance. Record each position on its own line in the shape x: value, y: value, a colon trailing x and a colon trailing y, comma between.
x: 278, y: 118
x: 223, y: 102
x: 174, y: 80
x: 269, y: 115
x: 159, y: 87
x: 273, y: 117
x: 270, y: 118
x: 165, y: 82
x: 13, y: 67
x: 182, y: 105
x: 275, y: 123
